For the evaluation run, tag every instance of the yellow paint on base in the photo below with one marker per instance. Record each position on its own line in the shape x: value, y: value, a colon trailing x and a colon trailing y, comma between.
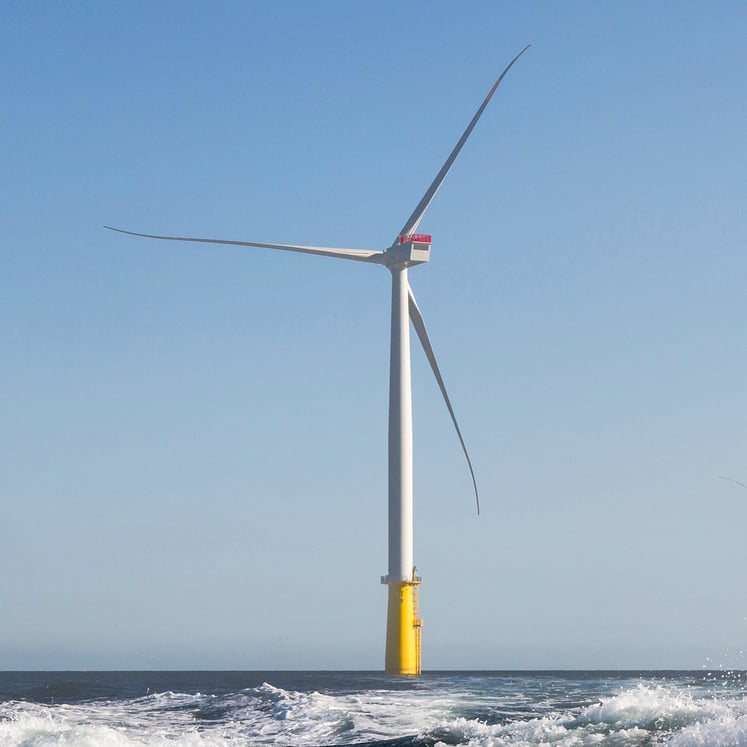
x: 403, y: 629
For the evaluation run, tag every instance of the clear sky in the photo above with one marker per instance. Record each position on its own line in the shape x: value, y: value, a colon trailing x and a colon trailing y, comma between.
x: 193, y: 438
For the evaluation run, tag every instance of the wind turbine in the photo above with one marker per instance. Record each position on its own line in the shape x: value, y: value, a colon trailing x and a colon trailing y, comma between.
x: 407, y: 250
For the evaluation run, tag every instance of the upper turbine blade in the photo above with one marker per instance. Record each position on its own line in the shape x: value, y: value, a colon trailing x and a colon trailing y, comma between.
x: 419, y: 324
x: 362, y: 255
x: 414, y: 220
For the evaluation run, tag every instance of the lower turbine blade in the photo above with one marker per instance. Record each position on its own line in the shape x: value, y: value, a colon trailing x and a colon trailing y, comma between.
x: 417, y: 321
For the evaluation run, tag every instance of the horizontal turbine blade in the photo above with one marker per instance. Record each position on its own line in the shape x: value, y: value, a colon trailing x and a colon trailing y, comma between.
x: 414, y: 220
x: 419, y: 324
x: 362, y: 255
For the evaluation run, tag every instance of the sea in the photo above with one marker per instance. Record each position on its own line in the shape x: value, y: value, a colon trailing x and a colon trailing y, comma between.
x: 436, y: 709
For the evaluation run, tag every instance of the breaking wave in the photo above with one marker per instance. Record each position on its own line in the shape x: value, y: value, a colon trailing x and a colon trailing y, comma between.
x: 440, y: 713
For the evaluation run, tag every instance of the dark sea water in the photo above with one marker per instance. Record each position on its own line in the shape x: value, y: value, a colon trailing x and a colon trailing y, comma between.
x: 476, y: 709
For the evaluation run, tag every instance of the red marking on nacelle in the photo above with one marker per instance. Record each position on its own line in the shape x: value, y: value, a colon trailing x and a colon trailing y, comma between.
x: 423, y: 238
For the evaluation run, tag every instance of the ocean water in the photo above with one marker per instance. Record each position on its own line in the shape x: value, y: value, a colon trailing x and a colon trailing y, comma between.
x: 439, y: 709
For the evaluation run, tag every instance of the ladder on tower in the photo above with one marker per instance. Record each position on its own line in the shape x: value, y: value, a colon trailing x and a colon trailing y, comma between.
x: 417, y: 623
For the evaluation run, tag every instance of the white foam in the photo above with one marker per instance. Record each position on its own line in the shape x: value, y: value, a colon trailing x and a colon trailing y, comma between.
x: 651, y: 708
x: 632, y: 717
x: 99, y: 725
x: 720, y: 732
x: 640, y: 714
x: 298, y: 718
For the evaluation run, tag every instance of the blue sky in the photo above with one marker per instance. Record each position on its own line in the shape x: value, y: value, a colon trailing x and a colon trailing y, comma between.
x: 193, y: 438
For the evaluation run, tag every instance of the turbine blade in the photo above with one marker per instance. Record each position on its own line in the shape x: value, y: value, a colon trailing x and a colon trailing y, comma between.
x: 414, y: 220
x: 417, y: 322
x: 362, y: 255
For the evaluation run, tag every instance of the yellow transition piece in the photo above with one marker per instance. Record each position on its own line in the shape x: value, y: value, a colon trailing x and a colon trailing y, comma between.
x: 403, y: 629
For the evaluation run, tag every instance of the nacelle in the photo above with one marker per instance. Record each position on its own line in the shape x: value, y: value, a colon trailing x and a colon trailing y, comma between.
x: 410, y: 250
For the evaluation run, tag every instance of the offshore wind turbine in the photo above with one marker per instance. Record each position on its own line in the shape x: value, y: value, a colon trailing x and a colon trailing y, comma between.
x: 403, y: 652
